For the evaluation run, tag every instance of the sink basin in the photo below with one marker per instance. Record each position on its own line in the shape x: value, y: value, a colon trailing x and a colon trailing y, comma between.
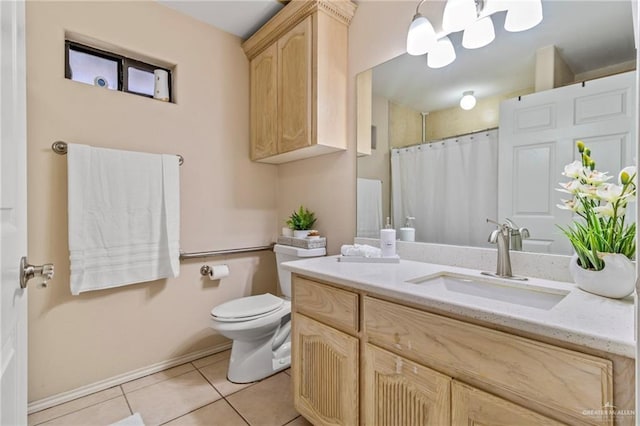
x: 516, y: 293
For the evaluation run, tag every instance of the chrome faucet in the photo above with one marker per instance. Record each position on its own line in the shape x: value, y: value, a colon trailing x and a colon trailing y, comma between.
x: 502, y: 236
x: 516, y: 235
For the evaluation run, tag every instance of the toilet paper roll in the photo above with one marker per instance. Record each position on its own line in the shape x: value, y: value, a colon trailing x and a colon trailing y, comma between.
x: 218, y: 271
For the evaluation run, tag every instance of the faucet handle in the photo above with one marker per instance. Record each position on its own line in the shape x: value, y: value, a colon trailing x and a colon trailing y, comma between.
x: 493, y: 237
x: 503, y: 227
x: 524, y: 233
x: 493, y: 221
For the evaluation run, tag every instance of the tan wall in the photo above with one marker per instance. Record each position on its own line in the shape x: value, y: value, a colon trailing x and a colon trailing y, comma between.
x: 327, y: 184
x: 456, y: 121
x: 378, y: 164
x: 405, y: 125
x: 227, y: 201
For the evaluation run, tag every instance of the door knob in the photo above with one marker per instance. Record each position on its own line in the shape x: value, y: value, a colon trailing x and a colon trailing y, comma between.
x: 28, y: 271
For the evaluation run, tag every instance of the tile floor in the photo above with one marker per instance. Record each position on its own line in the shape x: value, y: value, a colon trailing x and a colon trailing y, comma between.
x: 196, y: 393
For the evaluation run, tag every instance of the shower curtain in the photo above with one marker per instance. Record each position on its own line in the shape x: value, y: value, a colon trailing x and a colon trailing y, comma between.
x: 449, y: 186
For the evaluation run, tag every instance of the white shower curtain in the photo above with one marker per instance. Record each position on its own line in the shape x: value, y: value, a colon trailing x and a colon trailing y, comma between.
x: 450, y: 187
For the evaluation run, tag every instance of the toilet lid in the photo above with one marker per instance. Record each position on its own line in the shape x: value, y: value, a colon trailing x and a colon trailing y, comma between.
x: 247, y: 307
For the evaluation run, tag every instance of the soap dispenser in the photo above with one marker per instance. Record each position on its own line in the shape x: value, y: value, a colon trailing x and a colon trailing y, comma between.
x: 388, y: 240
x: 408, y: 233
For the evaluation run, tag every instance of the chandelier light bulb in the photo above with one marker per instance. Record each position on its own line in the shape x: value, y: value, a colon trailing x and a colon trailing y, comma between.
x: 442, y: 54
x: 523, y: 15
x: 468, y: 101
x: 479, y: 34
x: 458, y: 15
x: 421, y: 36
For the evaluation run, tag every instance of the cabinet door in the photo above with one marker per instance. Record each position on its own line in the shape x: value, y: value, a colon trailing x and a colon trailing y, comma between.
x: 471, y: 406
x: 294, y: 88
x: 398, y: 392
x: 325, y: 373
x: 264, y: 104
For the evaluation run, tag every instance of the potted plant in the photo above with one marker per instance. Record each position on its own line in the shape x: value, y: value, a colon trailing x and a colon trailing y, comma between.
x: 301, y: 222
x: 603, y: 241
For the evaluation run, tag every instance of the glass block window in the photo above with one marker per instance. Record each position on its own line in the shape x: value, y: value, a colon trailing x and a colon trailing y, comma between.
x: 111, y: 71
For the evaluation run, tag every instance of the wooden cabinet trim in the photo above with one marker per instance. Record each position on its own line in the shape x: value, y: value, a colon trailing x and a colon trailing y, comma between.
x: 291, y: 15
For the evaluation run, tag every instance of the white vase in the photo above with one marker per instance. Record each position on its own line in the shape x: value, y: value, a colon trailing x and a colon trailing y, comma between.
x: 616, y: 280
x: 301, y: 234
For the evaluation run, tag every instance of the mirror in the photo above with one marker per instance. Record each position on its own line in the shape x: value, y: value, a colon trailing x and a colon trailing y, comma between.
x: 426, y: 158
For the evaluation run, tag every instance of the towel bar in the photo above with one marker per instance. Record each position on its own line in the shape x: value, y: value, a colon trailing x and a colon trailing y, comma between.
x: 60, y: 147
x: 199, y: 254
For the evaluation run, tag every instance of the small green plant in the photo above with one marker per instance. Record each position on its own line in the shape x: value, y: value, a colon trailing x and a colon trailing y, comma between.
x: 301, y: 220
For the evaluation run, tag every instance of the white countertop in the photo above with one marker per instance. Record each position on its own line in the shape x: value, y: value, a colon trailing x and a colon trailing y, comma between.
x: 579, y: 317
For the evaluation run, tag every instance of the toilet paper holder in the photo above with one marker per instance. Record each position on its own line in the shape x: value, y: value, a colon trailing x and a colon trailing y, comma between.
x: 207, y: 271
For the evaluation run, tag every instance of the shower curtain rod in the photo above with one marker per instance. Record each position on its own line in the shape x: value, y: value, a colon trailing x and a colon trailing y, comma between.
x: 60, y: 147
x: 448, y: 137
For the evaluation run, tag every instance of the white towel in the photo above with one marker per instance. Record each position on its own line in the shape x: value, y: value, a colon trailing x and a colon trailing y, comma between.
x: 369, y: 208
x: 361, y: 250
x: 124, y: 217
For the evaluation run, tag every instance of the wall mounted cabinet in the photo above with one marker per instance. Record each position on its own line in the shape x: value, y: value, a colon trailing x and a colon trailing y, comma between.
x: 298, y: 63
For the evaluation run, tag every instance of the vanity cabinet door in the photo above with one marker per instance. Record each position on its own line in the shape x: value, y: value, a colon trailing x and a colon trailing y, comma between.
x: 471, y: 406
x: 294, y: 83
x: 264, y: 104
x: 398, y: 392
x: 324, y: 366
x: 560, y: 380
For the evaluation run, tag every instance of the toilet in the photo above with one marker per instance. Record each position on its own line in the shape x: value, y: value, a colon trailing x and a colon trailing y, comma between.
x: 260, y: 326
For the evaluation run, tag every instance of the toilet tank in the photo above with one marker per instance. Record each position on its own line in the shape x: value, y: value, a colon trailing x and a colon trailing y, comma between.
x: 287, y: 254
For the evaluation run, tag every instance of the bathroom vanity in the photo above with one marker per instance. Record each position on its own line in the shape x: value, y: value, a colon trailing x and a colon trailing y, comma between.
x: 417, y: 343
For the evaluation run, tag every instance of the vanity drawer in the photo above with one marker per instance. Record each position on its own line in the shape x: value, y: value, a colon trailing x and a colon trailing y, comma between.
x: 327, y: 304
x: 566, y: 381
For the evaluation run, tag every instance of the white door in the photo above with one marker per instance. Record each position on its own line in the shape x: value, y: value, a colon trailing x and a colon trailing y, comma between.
x: 13, y: 215
x: 537, y: 139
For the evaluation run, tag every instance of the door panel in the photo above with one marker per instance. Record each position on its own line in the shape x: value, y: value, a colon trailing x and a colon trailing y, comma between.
x: 264, y: 104
x: 537, y: 139
x: 325, y: 373
x: 473, y: 407
x: 399, y: 392
x: 13, y: 223
x: 294, y: 96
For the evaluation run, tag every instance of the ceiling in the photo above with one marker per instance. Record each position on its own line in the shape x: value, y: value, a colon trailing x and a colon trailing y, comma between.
x: 588, y: 34
x: 239, y: 17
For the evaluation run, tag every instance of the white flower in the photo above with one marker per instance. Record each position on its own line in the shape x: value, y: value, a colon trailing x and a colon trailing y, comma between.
x: 569, y: 205
x: 595, y: 177
x: 607, y: 210
x: 571, y: 187
x: 574, y: 170
x: 609, y: 192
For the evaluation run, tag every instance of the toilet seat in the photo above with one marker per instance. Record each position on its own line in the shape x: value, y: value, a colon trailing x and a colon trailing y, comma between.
x: 247, y: 308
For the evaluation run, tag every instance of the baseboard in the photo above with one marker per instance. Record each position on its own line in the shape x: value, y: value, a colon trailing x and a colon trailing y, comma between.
x: 67, y: 396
